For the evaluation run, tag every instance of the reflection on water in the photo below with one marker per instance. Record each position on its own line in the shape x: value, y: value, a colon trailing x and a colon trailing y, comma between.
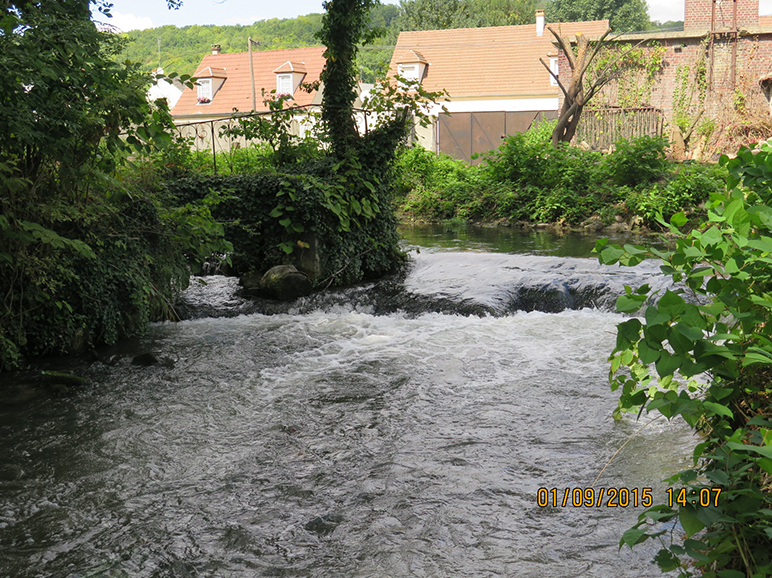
x: 510, y: 240
x: 333, y: 442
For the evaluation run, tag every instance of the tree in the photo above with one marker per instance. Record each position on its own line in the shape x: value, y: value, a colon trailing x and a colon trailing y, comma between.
x: 344, y: 27
x: 623, y: 15
x: 501, y: 12
x: 433, y: 14
x: 574, y: 96
x: 81, y: 261
x: 445, y: 14
x: 63, y: 98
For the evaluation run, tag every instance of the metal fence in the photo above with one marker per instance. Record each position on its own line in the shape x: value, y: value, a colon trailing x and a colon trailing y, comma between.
x: 213, y: 135
x: 602, y: 127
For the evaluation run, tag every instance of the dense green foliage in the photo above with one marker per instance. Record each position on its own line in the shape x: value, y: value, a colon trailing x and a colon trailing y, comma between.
x: 84, y: 259
x: 444, y: 14
x: 623, y: 15
x: 527, y: 180
x: 346, y: 206
x: 703, y: 351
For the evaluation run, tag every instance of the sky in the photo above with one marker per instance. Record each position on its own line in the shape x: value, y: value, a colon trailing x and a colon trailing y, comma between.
x: 139, y: 14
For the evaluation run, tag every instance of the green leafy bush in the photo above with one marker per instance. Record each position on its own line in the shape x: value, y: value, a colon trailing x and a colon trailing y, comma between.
x: 690, y: 188
x: 347, y: 206
x: 636, y: 161
x: 703, y: 351
x: 527, y: 179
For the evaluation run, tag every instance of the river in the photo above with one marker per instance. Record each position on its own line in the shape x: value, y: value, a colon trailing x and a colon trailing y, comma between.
x: 396, y: 429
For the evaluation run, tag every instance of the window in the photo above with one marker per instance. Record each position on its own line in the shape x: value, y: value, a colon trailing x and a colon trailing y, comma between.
x: 408, y: 71
x: 204, y: 90
x: 284, y: 84
x: 554, y: 67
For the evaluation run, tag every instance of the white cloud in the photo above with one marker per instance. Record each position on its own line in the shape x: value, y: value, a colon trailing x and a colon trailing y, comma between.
x: 126, y: 22
x: 765, y: 7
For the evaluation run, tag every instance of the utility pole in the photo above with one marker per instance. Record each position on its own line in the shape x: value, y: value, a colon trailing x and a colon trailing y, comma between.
x: 252, y: 72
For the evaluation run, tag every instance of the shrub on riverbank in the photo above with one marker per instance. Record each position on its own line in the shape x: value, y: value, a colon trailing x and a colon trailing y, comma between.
x: 84, y: 259
x: 703, y: 352
x: 528, y: 180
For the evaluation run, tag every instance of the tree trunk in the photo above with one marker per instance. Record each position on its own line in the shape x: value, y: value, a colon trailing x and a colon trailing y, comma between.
x: 574, y: 96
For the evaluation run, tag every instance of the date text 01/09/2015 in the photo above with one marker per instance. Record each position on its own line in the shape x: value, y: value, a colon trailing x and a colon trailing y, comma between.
x: 622, y: 497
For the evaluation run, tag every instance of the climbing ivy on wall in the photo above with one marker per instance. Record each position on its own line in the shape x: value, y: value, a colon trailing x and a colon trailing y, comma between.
x: 636, y: 69
x: 691, y: 89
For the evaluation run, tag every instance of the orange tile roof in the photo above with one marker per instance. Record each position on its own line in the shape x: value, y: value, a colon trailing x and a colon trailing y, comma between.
x: 412, y: 56
x: 291, y: 67
x: 210, y: 71
x: 236, y: 90
x: 765, y: 20
x: 494, y: 62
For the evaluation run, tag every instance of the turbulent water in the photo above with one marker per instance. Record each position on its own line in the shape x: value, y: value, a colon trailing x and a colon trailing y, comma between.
x: 396, y: 429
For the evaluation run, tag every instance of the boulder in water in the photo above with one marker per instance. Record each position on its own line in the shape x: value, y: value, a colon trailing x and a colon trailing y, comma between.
x: 283, y: 282
x: 324, y: 525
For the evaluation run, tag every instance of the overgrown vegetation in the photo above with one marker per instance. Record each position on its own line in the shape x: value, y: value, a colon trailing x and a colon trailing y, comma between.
x: 703, y: 351
x: 84, y: 259
x: 527, y: 180
x: 93, y: 248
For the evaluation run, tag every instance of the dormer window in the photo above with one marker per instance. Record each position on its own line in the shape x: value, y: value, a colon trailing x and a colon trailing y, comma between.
x: 284, y: 84
x: 289, y: 76
x: 555, y: 68
x: 412, y: 67
x: 209, y: 80
x: 204, y: 90
x: 409, y: 71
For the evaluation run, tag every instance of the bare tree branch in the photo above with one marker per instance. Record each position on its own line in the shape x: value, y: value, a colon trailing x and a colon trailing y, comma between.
x: 553, y: 75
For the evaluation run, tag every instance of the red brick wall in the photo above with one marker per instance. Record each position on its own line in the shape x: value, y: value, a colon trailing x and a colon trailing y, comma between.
x: 753, y: 62
x: 697, y: 14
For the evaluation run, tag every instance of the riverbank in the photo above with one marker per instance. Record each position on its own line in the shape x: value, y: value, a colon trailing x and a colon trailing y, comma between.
x: 526, y: 183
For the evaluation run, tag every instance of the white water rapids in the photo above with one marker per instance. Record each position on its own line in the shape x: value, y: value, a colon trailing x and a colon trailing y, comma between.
x: 336, y: 439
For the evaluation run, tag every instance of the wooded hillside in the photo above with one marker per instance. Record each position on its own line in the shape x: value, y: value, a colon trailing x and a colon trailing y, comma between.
x: 181, y: 49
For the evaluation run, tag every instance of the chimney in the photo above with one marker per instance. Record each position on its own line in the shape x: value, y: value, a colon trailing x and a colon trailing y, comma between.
x: 215, y: 49
x: 539, y: 22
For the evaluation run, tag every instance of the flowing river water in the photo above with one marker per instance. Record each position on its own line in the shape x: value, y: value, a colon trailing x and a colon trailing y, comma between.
x: 395, y: 429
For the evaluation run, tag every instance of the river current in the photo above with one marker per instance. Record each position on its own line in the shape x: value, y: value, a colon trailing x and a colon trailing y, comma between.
x: 396, y: 429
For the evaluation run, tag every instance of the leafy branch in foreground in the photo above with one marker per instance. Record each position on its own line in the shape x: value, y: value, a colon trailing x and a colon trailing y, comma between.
x: 703, y: 351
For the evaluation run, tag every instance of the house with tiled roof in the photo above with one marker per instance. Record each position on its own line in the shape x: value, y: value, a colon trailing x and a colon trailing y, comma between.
x: 495, y: 82
x: 225, y: 82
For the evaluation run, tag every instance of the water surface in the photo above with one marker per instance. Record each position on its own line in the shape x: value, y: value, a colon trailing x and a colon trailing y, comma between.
x: 342, y: 437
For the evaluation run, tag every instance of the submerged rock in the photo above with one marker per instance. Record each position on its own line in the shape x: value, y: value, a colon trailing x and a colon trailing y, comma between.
x: 283, y: 282
x: 145, y: 360
x: 148, y: 359
x: 324, y: 525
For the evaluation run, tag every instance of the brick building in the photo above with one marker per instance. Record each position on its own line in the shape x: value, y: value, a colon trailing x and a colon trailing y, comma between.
x: 716, y: 74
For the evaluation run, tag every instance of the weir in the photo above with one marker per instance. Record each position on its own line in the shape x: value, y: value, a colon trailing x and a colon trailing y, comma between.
x: 397, y: 428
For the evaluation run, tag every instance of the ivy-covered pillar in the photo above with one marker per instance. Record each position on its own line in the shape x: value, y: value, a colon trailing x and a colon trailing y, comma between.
x: 344, y: 26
